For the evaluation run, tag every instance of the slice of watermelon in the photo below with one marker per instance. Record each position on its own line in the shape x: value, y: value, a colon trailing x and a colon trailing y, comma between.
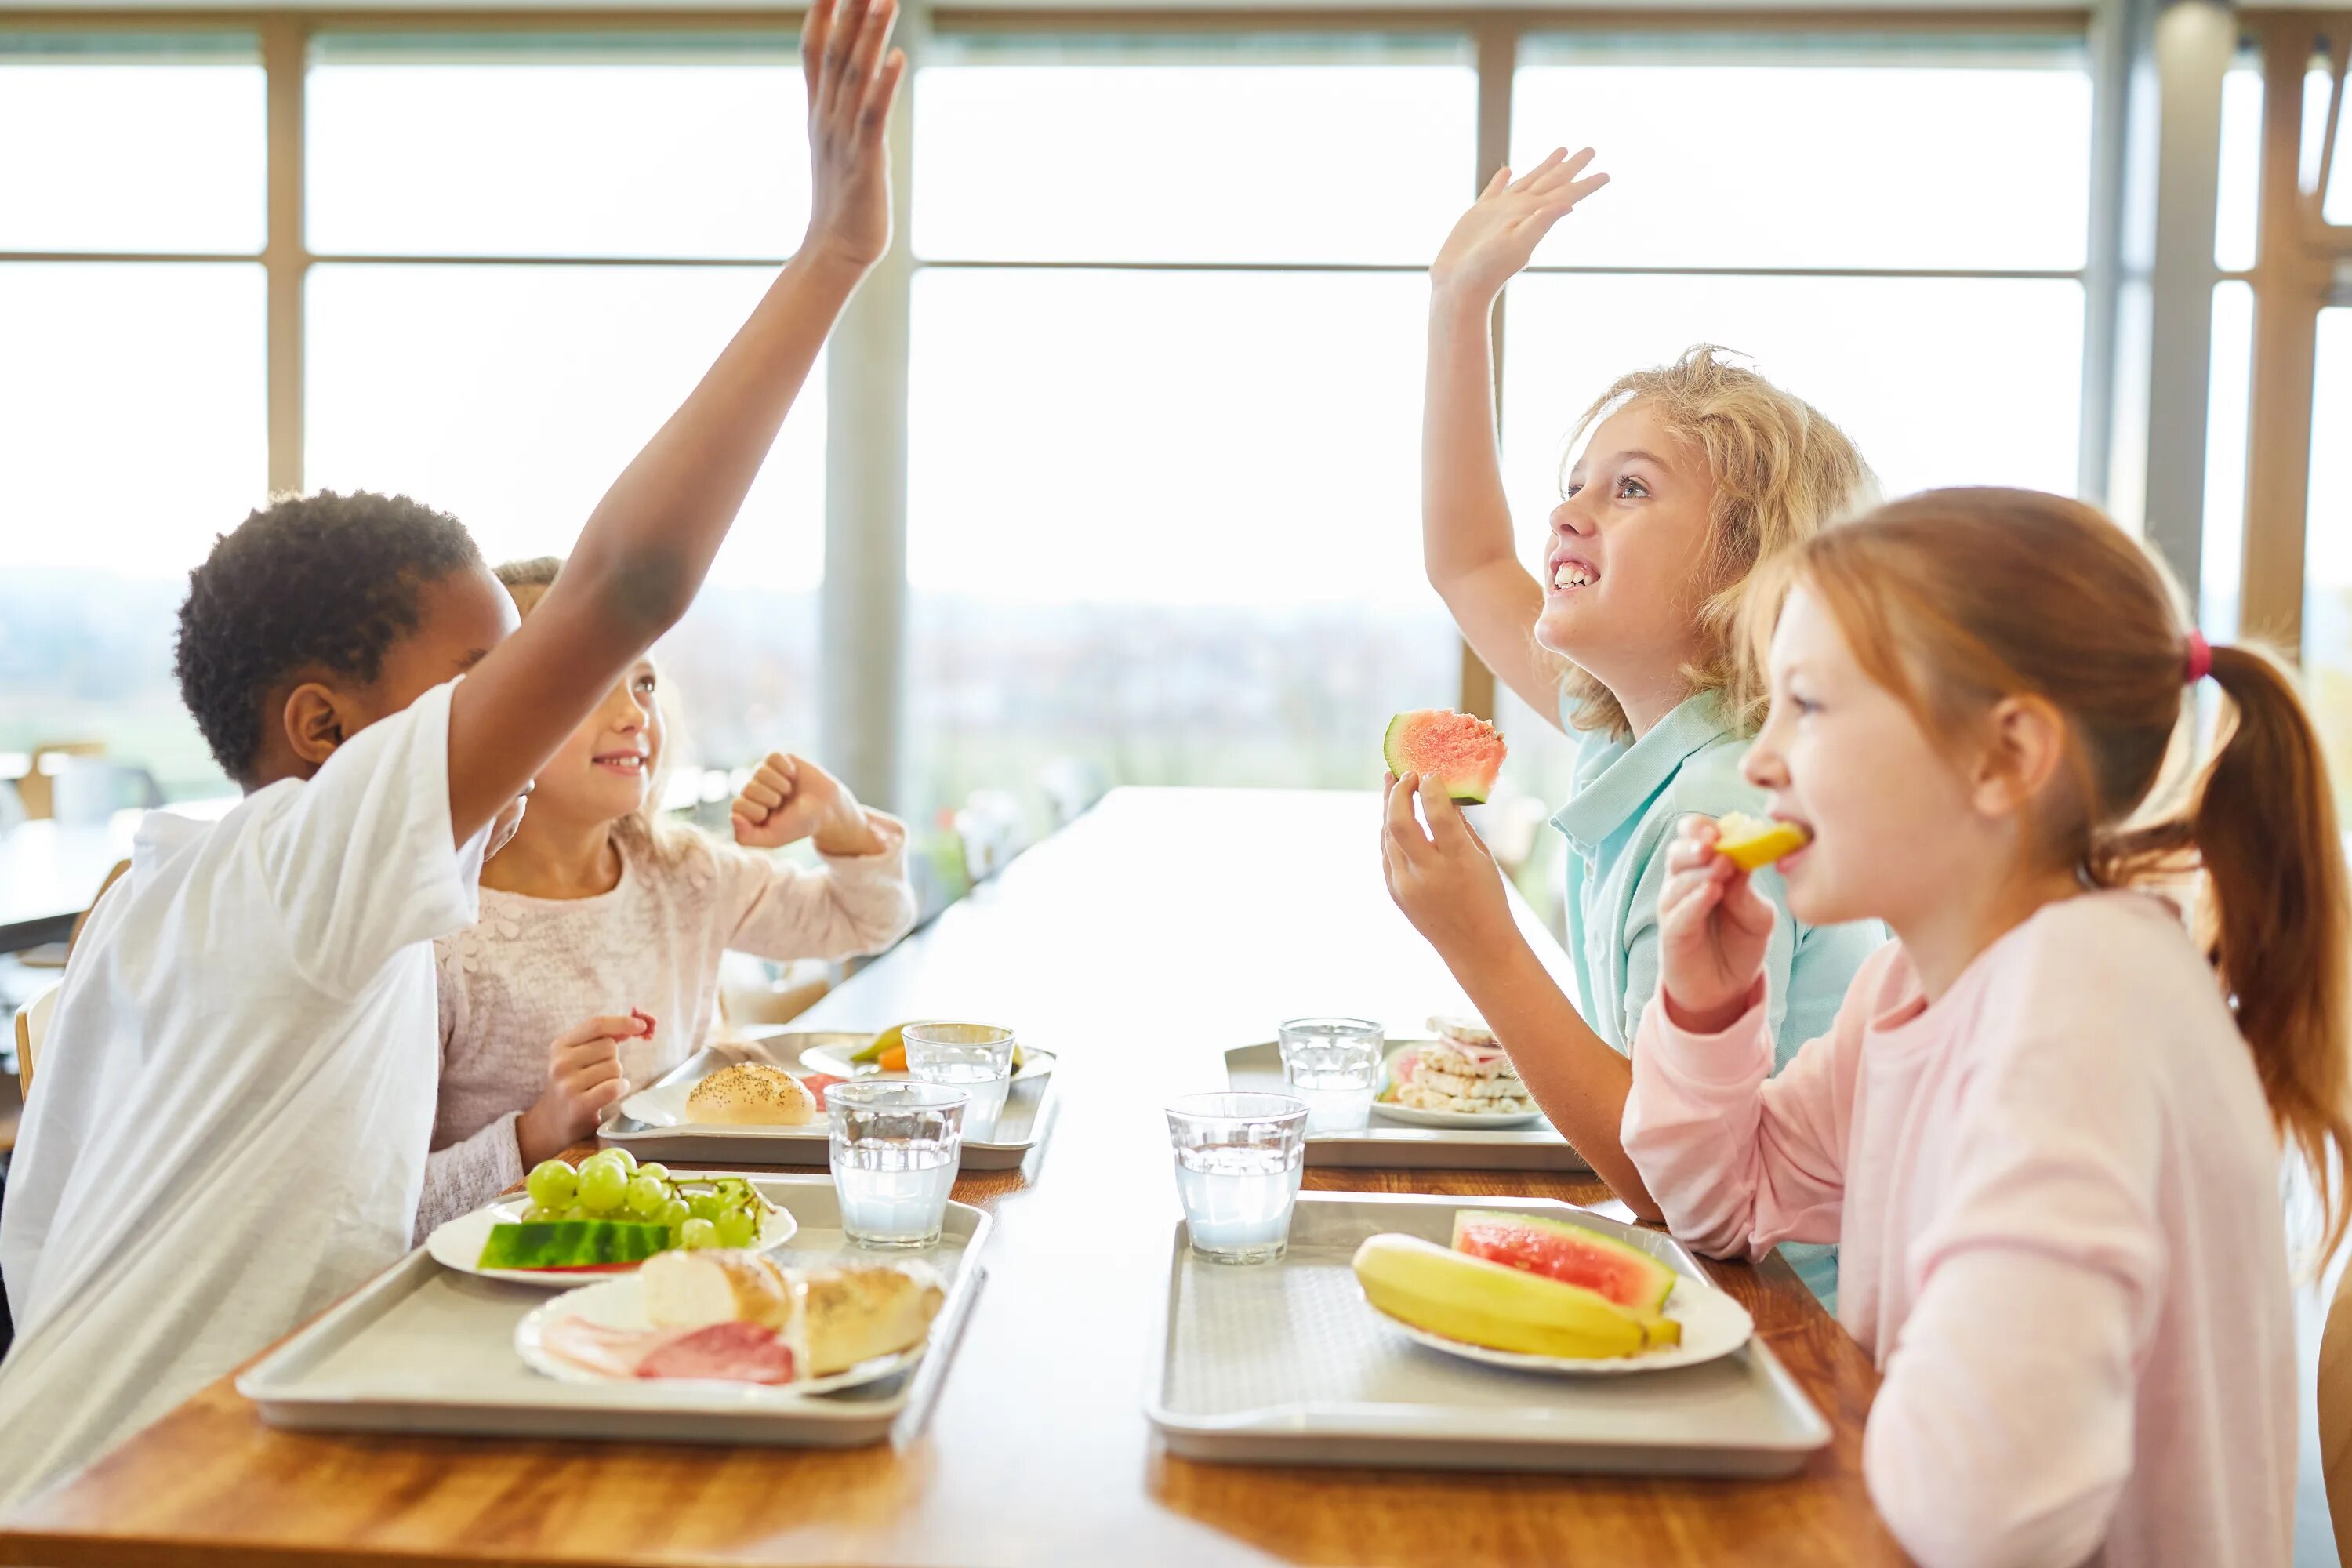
x: 1568, y: 1253
x: 572, y: 1243
x: 1463, y: 752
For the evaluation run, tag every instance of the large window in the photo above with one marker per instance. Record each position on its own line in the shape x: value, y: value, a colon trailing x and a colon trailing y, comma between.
x: 527, y: 253
x: 1164, y: 409
x: 131, y: 349
x: 1894, y: 233
x: 2327, y: 551
x: 1165, y: 334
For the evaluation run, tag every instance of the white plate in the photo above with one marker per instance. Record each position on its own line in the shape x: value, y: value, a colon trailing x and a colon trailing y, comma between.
x: 1713, y: 1324
x: 834, y: 1062
x: 1412, y: 1116
x: 620, y: 1303
x: 458, y: 1243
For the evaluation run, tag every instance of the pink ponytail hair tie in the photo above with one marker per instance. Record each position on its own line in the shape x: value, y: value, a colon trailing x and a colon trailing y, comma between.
x: 2201, y: 659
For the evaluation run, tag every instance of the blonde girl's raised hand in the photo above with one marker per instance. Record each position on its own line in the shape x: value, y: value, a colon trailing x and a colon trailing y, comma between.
x: 1443, y: 879
x: 1495, y: 238
x: 1713, y: 928
x: 789, y: 799
x: 853, y: 77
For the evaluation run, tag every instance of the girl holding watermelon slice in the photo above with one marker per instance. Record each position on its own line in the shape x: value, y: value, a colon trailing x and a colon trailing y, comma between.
x: 1695, y: 472
x: 2046, y: 1124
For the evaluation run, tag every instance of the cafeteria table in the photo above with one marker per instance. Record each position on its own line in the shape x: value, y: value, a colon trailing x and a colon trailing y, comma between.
x: 1140, y: 943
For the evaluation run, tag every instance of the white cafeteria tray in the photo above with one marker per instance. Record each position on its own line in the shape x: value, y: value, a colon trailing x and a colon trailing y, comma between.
x: 1535, y: 1147
x: 1287, y: 1363
x: 423, y: 1348
x: 1028, y: 1109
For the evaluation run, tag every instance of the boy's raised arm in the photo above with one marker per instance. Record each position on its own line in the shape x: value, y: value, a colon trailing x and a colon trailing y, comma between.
x: 649, y: 543
x: 1465, y: 521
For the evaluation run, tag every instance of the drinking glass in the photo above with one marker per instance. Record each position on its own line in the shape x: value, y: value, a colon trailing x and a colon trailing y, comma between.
x: 974, y: 1057
x: 1334, y: 1065
x: 1239, y: 1158
x: 895, y: 1150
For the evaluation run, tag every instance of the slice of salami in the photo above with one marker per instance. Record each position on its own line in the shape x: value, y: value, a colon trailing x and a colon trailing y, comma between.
x: 736, y: 1352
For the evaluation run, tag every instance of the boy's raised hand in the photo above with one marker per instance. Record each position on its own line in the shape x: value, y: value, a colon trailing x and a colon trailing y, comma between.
x: 1713, y: 928
x: 852, y: 83
x: 789, y: 799
x: 1495, y: 238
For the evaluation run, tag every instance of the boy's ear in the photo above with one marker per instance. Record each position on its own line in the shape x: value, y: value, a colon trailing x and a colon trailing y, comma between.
x: 2025, y: 749
x: 317, y: 720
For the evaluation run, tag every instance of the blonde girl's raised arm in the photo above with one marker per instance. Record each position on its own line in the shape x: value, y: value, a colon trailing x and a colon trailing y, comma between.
x: 1466, y: 545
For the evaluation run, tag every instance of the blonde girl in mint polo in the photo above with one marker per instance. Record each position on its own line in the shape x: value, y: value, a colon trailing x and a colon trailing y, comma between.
x: 1689, y: 474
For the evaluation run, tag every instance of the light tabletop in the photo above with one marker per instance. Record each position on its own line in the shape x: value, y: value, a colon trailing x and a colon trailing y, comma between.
x: 1140, y: 944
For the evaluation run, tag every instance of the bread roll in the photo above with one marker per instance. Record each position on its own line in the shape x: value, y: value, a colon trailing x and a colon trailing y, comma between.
x: 690, y: 1289
x: 861, y: 1310
x: 751, y: 1094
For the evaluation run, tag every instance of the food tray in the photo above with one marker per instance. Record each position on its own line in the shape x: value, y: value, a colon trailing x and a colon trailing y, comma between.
x: 1028, y: 1110
x: 1287, y: 1363
x: 1396, y: 1146
x: 423, y: 1349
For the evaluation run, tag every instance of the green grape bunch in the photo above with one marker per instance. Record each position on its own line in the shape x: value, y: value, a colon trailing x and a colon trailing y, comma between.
x: 703, y: 1212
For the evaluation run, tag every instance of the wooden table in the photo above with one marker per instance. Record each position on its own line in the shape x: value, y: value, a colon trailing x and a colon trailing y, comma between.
x: 1140, y: 944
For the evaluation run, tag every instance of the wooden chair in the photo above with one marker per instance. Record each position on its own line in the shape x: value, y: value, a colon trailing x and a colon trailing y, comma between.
x: 34, y: 789
x: 32, y: 1027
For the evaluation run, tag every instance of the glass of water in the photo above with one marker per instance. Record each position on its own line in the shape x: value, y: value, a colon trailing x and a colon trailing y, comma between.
x: 895, y: 1150
x: 974, y: 1057
x: 1239, y: 1158
x: 1334, y: 1065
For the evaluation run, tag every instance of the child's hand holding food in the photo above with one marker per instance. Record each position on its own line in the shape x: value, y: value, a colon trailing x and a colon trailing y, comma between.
x: 789, y: 798
x: 1493, y: 240
x: 584, y: 1077
x: 1444, y: 880
x: 1713, y: 927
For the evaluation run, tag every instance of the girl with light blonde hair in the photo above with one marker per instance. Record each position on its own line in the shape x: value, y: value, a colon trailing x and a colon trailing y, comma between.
x: 1685, y: 478
x: 595, y: 965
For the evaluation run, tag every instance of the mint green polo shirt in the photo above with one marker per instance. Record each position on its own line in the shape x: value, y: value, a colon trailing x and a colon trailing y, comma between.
x: 1629, y: 796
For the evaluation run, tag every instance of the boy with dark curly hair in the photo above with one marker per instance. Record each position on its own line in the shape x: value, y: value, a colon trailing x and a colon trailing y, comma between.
x: 230, y: 1126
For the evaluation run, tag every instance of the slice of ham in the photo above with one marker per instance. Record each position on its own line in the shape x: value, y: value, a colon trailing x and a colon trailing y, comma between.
x: 731, y: 1352
x: 607, y: 1351
x: 818, y: 1082
x: 735, y: 1353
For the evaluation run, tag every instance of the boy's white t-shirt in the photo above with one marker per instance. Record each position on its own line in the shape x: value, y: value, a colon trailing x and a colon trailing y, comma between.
x: 229, y: 1123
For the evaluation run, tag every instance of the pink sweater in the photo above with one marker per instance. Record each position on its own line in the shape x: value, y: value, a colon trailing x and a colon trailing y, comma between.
x: 530, y: 969
x: 2056, y: 1194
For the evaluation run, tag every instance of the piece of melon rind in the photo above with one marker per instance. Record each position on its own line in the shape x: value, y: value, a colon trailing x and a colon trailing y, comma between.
x: 1657, y: 1275
x: 1470, y: 783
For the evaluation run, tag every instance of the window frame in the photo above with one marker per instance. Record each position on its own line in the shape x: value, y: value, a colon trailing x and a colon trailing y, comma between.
x: 863, y: 711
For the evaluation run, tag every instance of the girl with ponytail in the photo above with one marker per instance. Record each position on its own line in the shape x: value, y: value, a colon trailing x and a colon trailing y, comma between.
x: 2045, y: 1126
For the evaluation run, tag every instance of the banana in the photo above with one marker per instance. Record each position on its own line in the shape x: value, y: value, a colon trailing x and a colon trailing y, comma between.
x: 1499, y: 1306
x: 892, y: 1039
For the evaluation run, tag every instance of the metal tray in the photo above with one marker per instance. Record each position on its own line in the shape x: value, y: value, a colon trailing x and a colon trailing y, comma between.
x: 1028, y: 1112
x: 1398, y: 1147
x: 423, y: 1349
x: 1287, y: 1364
